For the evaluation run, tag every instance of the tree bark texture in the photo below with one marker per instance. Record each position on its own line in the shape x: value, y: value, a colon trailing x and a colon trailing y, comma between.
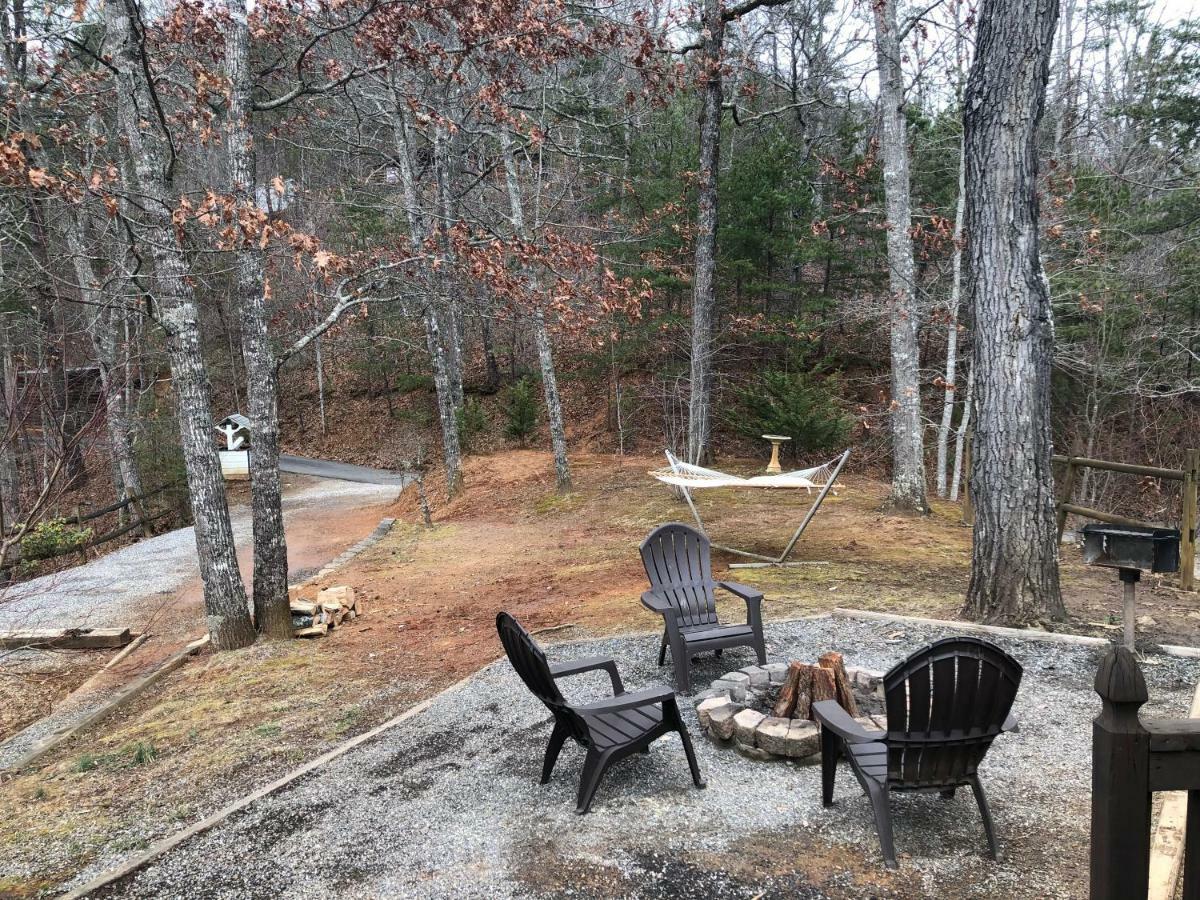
x: 1014, y: 561
x: 272, y: 616
x: 908, y: 447
x: 418, y: 229
x: 104, y: 345
x: 704, y: 285
x: 554, y: 415
x: 150, y: 154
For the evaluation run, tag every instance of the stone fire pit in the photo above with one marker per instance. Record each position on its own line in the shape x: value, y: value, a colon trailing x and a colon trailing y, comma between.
x: 736, y: 710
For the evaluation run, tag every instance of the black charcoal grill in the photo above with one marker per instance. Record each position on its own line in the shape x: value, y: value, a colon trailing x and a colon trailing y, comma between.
x: 1131, y: 550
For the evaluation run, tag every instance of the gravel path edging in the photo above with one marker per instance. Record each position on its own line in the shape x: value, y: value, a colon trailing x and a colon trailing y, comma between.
x: 78, y: 720
x: 159, y: 848
x: 1031, y: 634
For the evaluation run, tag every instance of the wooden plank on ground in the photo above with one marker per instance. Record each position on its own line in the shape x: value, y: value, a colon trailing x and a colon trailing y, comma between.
x: 65, y: 638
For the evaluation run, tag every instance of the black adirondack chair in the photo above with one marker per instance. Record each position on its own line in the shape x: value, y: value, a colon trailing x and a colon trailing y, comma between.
x: 609, y: 729
x: 945, y: 706
x: 677, y: 563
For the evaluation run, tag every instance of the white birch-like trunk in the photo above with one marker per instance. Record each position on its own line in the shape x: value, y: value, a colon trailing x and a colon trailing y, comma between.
x: 951, y: 376
x: 228, y: 615
x: 418, y: 228
x: 554, y: 416
x: 961, y: 436
x: 908, y: 449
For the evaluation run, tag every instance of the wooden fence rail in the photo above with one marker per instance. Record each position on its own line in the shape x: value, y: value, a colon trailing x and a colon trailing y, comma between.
x: 1189, y: 475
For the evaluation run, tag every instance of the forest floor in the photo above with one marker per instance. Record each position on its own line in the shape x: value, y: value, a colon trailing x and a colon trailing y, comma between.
x: 566, y: 565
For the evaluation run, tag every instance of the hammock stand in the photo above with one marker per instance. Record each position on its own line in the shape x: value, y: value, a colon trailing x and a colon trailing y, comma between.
x: 686, y: 476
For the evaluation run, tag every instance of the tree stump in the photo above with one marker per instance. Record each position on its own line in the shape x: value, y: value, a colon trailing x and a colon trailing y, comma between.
x: 834, y: 663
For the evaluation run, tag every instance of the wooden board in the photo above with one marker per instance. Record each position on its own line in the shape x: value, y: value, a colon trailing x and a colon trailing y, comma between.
x: 65, y: 638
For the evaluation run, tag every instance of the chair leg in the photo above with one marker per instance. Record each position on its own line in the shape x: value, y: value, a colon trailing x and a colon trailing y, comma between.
x: 760, y: 647
x: 989, y: 826
x: 671, y: 711
x: 557, y: 737
x: 883, y: 822
x: 831, y: 748
x: 593, y: 770
x: 662, y: 650
x: 683, y: 670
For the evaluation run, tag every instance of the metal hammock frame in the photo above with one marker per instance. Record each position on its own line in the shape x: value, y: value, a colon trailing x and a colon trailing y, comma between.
x: 678, y: 470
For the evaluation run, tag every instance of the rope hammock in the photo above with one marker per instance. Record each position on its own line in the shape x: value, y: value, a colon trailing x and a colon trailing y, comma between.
x: 688, y: 477
x: 685, y: 475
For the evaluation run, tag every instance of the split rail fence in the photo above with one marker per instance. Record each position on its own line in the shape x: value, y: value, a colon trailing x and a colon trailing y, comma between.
x: 1189, y: 475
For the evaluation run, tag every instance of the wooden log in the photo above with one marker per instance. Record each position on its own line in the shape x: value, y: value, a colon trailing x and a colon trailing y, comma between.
x: 797, y: 681
x: 342, y: 594
x: 823, y: 686
x: 844, y: 692
x: 66, y: 638
x: 312, y: 631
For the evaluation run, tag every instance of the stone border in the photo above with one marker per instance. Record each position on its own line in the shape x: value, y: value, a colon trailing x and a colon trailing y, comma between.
x: 160, y: 847
x: 381, y: 530
x: 726, y: 715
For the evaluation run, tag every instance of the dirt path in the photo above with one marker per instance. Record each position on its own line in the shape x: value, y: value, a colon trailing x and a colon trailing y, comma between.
x: 153, y: 586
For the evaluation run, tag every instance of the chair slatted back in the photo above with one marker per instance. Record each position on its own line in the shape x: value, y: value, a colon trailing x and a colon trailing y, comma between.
x: 945, y: 705
x: 530, y: 664
x: 677, y: 563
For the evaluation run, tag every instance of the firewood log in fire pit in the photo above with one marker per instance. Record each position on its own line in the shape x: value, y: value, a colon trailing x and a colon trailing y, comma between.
x: 806, y: 684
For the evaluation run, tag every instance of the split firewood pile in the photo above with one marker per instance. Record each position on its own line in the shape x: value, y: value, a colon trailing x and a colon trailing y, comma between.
x: 331, y: 607
x: 806, y: 684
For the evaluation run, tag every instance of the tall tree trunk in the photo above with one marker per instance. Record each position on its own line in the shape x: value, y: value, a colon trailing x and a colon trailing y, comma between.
x: 704, y: 284
x: 418, y: 230
x: 558, y: 433
x: 10, y: 421
x: 1014, y: 560
x: 960, y: 437
x: 943, y: 440
x: 451, y: 315
x: 908, y: 447
x: 151, y: 156
x: 104, y: 344
x: 272, y: 616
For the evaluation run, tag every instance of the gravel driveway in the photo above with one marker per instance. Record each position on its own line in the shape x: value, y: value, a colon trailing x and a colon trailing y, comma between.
x: 102, y: 592
x: 448, y: 804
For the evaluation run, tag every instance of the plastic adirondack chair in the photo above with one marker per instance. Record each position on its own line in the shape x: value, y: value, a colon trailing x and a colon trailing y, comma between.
x: 609, y: 729
x: 945, y: 706
x: 677, y: 563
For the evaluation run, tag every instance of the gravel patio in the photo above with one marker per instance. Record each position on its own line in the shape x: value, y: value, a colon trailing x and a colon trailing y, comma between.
x: 448, y: 803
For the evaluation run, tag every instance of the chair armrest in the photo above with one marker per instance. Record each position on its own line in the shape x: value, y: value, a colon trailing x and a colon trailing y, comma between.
x: 645, y: 697
x: 1010, y: 724
x: 837, y: 720
x: 656, y: 602
x: 592, y: 663
x: 744, y: 591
